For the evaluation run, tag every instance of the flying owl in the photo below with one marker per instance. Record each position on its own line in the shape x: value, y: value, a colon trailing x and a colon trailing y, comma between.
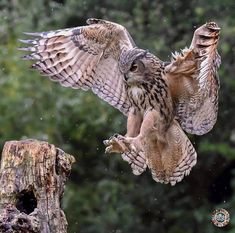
x: 160, y: 99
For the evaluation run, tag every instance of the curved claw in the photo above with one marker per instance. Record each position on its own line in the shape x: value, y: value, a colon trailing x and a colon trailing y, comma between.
x: 117, y: 136
x: 108, y: 149
x: 120, y: 144
x: 114, y: 145
x: 106, y: 142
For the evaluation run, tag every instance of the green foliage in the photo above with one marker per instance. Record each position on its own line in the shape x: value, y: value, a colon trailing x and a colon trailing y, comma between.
x: 103, y: 195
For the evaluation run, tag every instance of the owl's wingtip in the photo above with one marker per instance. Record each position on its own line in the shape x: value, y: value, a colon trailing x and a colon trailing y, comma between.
x: 94, y: 21
x: 28, y: 41
x: 32, y: 33
x: 213, y: 26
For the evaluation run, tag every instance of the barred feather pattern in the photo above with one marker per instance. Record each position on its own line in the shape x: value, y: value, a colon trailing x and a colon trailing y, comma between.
x: 137, y: 161
x: 197, y: 110
x: 177, y: 158
x: 85, y: 58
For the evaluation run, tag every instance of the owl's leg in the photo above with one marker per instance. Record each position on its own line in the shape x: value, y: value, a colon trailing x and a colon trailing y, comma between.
x: 116, y: 144
x: 146, y: 130
x: 134, y: 121
x: 134, y: 155
x: 130, y: 152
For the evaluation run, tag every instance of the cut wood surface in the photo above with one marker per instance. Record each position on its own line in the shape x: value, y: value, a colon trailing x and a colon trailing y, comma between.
x: 32, y: 181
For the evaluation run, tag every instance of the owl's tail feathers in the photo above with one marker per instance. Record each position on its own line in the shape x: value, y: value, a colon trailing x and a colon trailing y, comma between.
x: 177, y: 156
x: 136, y: 160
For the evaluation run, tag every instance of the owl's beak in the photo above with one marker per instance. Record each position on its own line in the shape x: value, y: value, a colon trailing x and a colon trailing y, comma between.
x: 129, y: 79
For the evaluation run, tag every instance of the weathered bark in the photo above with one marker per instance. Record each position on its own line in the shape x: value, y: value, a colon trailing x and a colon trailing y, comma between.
x: 32, y: 179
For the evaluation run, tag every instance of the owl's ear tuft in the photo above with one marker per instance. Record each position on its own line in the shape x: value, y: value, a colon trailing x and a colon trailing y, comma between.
x: 95, y: 21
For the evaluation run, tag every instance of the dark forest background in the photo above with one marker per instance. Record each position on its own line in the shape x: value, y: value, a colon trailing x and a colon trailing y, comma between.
x: 102, y: 195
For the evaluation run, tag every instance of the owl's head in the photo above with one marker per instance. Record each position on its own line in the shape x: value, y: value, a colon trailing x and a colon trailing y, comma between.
x: 138, y: 65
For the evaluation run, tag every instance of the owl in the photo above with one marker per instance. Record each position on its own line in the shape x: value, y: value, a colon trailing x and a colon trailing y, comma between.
x: 162, y: 100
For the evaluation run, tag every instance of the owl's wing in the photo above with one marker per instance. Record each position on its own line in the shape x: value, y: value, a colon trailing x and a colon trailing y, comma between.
x: 194, y: 82
x: 85, y: 57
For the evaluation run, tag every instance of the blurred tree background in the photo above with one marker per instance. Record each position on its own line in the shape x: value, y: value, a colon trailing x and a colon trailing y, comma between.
x: 103, y: 195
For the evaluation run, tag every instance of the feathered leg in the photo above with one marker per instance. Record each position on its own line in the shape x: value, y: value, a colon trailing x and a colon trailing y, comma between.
x: 167, y: 151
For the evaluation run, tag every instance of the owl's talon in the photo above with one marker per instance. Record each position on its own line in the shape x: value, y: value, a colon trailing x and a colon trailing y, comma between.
x: 108, y: 149
x: 106, y: 142
x: 114, y: 145
x: 115, y: 136
x: 120, y: 137
x: 120, y: 144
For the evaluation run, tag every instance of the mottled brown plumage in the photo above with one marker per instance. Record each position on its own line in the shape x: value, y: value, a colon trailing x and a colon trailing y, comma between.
x: 160, y: 99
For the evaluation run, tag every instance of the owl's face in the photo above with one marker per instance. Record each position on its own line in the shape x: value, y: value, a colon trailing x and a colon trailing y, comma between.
x: 136, y: 73
x: 138, y: 66
x: 142, y: 70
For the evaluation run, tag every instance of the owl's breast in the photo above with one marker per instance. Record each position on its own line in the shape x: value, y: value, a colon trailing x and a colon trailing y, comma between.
x: 152, y: 96
x: 137, y: 97
x: 137, y: 92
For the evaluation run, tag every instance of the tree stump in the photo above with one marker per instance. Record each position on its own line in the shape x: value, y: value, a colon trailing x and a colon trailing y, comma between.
x: 32, y: 180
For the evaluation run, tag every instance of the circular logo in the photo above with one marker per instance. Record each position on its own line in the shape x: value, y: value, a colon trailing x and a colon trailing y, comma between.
x: 220, y: 217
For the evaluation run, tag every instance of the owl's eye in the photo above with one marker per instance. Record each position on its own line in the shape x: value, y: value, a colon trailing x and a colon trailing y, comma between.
x: 137, y: 66
x: 134, y: 67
